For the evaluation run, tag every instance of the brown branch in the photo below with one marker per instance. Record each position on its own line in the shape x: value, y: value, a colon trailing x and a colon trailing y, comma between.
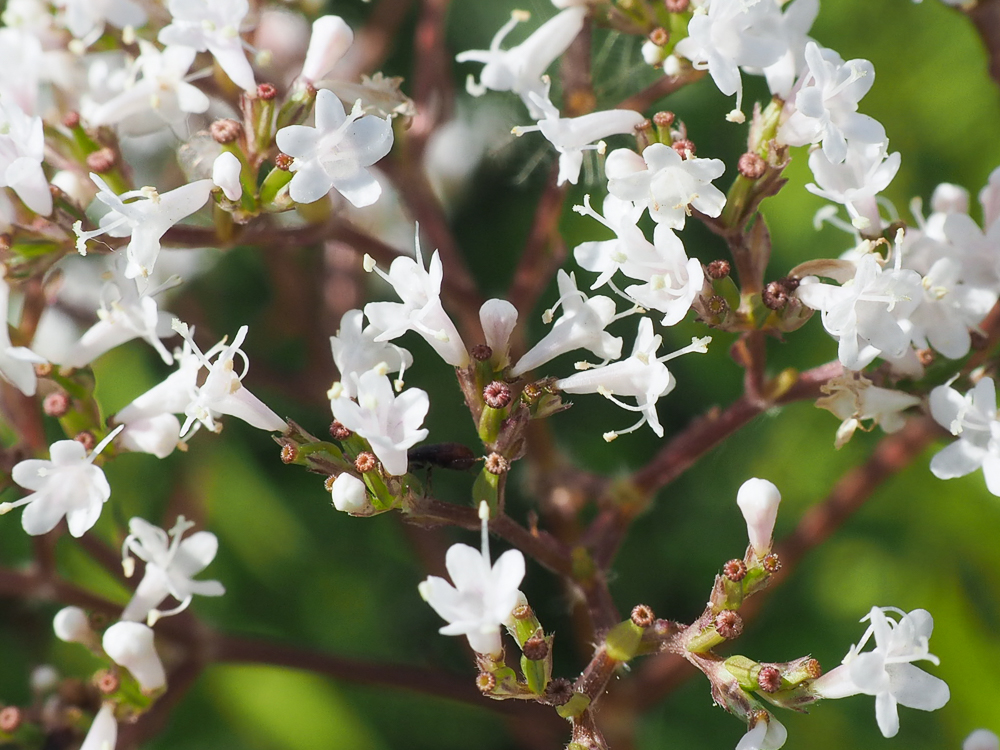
x: 374, y: 41
x: 664, y: 87
x: 433, y: 92
x: 985, y: 16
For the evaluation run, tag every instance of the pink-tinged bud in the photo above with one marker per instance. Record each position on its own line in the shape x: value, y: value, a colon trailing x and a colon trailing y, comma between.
x: 349, y: 493
x: 331, y: 38
x: 130, y: 644
x: 10, y: 719
x: 758, y: 500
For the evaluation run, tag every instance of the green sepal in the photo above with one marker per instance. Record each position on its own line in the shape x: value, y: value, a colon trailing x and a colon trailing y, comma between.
x: 382, y: 499
x: 537, y: 673
x: 487, y: 487
x: 705, y: 641
x: 524, y: 628
x: 727, y: 289
x: 622, y: 642
x: 276, y: 179
x: 490, y: 422
x: 744, y: 670
x: 574, y: 706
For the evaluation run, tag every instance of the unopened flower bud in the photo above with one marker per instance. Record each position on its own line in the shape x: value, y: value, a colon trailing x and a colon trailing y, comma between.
x: 349, y: 493
x: 289, y: 453
x: 43, y: 369
x: 521, y: 612
x: 71, y: 119
x: 56, y: 404
x: 676, y: 6
x: 769, y: 679
x: 365, y: 462
x: 486, y: 682
x: 642, y: 615
x: 225, y: 131
x: 925, y: 357
x: 339, y: 432
x: 130, y: 644
x: 266, y: 91
x: 497, y: 394
x: 283, y: 162
x: 101, y: 160
x: 558, y: 691
x: 663, y: 119
x: 86, y: 439
x: 72, y: 625
x: 718, y: 269
x: 717, y: 305
x: 729, y: 624
x: 981, y: 739
x: 774, y: 296
x: 535, y: 648
x: 660, y: 37
x: 751, y: 165
x: 107, y: 681
x: 734, y: 570
x: 10, y: 719
x: 497, y: 464
x: 758, y: 500
x: 684, y: 147
x: 481, y: 352
x: 771, y: 563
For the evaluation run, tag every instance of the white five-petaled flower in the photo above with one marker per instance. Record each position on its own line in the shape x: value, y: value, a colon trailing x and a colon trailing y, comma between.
x: 85, y: 19
x: 643, y: 376
x: 336, y: 152
x: 212, y: 25
x: 22, y: 150
x: 171, y: 564
x: 758, y: 500
x: 865, y: 172
x: 581, y: 326
x: 130, y: 645
x: 481, y: 596
x: 390, y: 423
x: 145, y: 219
x: 520, y: 69
x: 66, y: 484
x: 855, y: 399
x: 420, y: 309
x: 355, y: 351
x: 886, y: 671
x: 667, y: 184
x: 972, y: 418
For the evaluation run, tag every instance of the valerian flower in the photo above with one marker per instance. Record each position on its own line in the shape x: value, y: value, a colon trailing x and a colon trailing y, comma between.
x: 103, y: 733
x: 17, y: 363
x: 856, y: 400
x: 330, y: 40
x: 886, y: 671
x: 355, y: 351
x: 22, y: 150
x: 67, y: 484
x: 130, y: 645
x: 765, y: 733
x: 972, y: 418
x: 481, y: 596
x: 212, y: 25
x: 171, y: 564
x: 865, y: 172
x: 348, y: 493
x: 758, y: 500
x: 336, y: 152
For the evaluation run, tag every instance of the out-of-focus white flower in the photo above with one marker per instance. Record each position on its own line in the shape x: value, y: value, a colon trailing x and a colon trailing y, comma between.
x: 103, y: 733
x: 758, y: 500
x: 85, y: 19
x: 212, y: 25
x: 973, y: 419
x: 336, y: 152
x: 330, y: 40
x: 981, y: 739
x: 130, y: 645
x: 390, y: 423
x: 22, y: 150
x: 72, y: 625
x: 886, y: 671
x: 667, y: 184
x: 854, y: 399
x: 349, y: 493
x: 65, y: 485
x: 520, y: 69
x: 171, y: 564
x: 581, y: 326
x: 481, y: 596
x: 355, y: 351
x: 17, y: 363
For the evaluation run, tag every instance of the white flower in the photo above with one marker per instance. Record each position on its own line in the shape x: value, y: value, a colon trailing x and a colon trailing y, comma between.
x: 349, y: 493
x: 973, y: 419
x: 85, y: 19
x: 17, y: 363
x: 498, y: 318
x: 226, y: 175
x: 886, y: 671
x: 145, y: 219
x: 672, y: 281
x: 642, y: 376
x: 22, y: 150
x: 72, y: 625
x: 767, y: 733
x: 336, y: 152
x: 171, y: 564
x: 854, y: 399
x: 390, y: 423
x: 825, y: 108
x: 481, y: 596
x: 355, y: 351
x: 664, y: 182
x: 758, y: 500
x: 420, y: 309
x: 67, y: 484
x: 793, y: 27
x: 605, y: 257
x: 981, y: 739
x: 581, y: 326
x: 103, y: 733
x: 573, y: 135
x: 330, y: 40
x: 130, y: 645
x: 865, y: 172
x: 212, y: 25
x: 520, y: 68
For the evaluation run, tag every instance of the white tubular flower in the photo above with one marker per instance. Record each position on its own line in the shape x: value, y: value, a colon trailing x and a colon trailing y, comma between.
x: 482, y: 595
x: 865, y: 172
x: 336, y: 152
x: 864, y: 313
x: 581, y: 326
x: 223, y: 392
x: 854, y: 399
x: 226, y: 175
x: 672, y: 280
x: 330, y: 40
x: 573, y: 135
x: 420, y: 309
x: 349, y: 493
x: 734, y: 33
x: 212, y: 25
x: 758, y: 500
x: 498, y: 318
x: 887, y: 672
x: 390, y: 423
x: 766, y: 732
x: 605, y: 257
x: 65, y: 485
x: 520, y: 68
x: 130, y: 645
x: 145, y: 219
x: 355, y: 351
x: 973, y: 419
x: 667, y: 184
x: 826, y: 106
x: 72, y: 625
x: 22, y: 150
x: 103, y: 734
x: 171, y: 564
x: 17, y: 363
x: 981, y: 739
x: 642, y: 376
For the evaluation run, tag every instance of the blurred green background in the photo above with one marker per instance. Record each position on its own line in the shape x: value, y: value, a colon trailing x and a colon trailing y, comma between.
x: 298, y: 572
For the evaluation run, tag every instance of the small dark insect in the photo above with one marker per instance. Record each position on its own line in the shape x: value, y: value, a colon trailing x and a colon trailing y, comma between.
x: 454, y: 456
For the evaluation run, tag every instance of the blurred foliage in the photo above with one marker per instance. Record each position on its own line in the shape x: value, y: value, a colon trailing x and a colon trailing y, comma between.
x: 300, y: 573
